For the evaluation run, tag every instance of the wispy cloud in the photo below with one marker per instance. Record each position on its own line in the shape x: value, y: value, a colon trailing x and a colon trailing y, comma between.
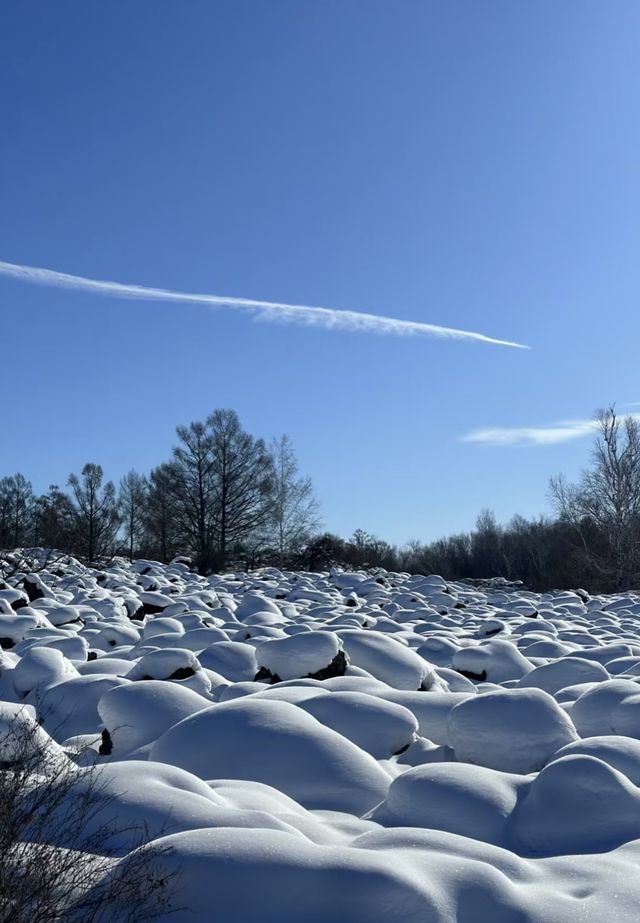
x: 326, y: 318
x: 552, y: 434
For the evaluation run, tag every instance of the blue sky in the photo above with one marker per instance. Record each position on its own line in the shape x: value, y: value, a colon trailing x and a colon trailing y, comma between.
x: 468, y: 164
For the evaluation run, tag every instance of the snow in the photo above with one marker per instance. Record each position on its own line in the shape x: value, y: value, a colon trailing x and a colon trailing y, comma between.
x: 279, y: 744
x: 592, y: 712
x: 299, y: 655
x: 413, y: 750
x: 39, y: 668
x: 513, y: 730
x: 496, y: 661
x: 232, y: 659
x: 567, y: 671
x: 274, y: 876
x: 622, y: 753
x: 386, y: 659
x: 576, y: 804
x: 380, y: 728
x: 138, y: 713
x: 456, y: 797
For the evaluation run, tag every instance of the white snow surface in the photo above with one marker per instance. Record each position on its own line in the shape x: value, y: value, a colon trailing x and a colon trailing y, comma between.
x: 414, y: 750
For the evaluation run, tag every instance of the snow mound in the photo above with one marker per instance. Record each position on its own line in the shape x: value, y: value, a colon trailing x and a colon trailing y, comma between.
x: 383, y: 729
x: 513, y: 730
x: 314, y: 653
x: 494, y: 661
x: 274, y: 876
x: 386, y: 659
x: 568, y: 671
x: 592, y: 713
x: 469, y: 800
x: 279, y: 744
x: 577, y: 804
x: 136, y: 714
x: 621, y: 753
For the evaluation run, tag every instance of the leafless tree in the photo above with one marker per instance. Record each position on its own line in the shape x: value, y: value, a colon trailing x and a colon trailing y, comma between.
x: 131, y: 503
x: 604, y: 505
x: 241, y: 472
x: 53, y: 519
x: 16, y: 507
x: 193, y: 488
x: 16, y: 564
x: 95, y: 513
x: 293, y: 508
x: 486, y: 546
x: 160, y: 513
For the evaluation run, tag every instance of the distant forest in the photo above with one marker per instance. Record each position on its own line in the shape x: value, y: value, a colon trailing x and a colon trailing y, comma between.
x: 227, y: 499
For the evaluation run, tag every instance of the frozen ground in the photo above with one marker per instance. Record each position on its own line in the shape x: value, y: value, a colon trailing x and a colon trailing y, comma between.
x: 347, y: 748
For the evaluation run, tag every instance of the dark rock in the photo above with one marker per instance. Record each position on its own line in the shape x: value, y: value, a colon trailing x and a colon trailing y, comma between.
x: 337, y: 667
x: 32, y: 589
x: 266, y: 675
x: 402, y: 749
x: 138, y: 615
x: 476, y: 677
x: 91, y: 655
x: 106, y: 747
x: 183, y: 673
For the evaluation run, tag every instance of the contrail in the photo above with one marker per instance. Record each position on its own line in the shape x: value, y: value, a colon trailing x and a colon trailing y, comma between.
x: 328, y: 318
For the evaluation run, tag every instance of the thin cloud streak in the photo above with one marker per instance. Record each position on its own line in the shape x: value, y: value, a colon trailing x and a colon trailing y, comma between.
x: 554, y: 434
x: 326, y: 318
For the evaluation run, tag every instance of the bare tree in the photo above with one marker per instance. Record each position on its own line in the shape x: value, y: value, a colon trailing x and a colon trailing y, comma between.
x: 604, y: 505
x: 160, y: 514
x: 241, y: 481
x: 16, y: 507
x: 486, y: 546
x: 95, y: 513
x: 53, y: 519
x: 360, y: 541
x: 193, y: 488
x: 17, y: 565
x: 58, y: 836
x: 131, y: 503
x: 293, y: 508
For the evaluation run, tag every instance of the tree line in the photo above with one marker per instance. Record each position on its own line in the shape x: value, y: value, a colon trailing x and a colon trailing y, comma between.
x: 591, y: 539
x: 227, y: 498
x: 223, y: 496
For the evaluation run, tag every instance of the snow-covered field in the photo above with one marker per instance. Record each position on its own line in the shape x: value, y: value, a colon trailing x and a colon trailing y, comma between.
x: 347, y: 748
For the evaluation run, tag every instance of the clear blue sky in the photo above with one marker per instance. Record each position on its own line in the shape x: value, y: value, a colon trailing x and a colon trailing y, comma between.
x: 472, y: 164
